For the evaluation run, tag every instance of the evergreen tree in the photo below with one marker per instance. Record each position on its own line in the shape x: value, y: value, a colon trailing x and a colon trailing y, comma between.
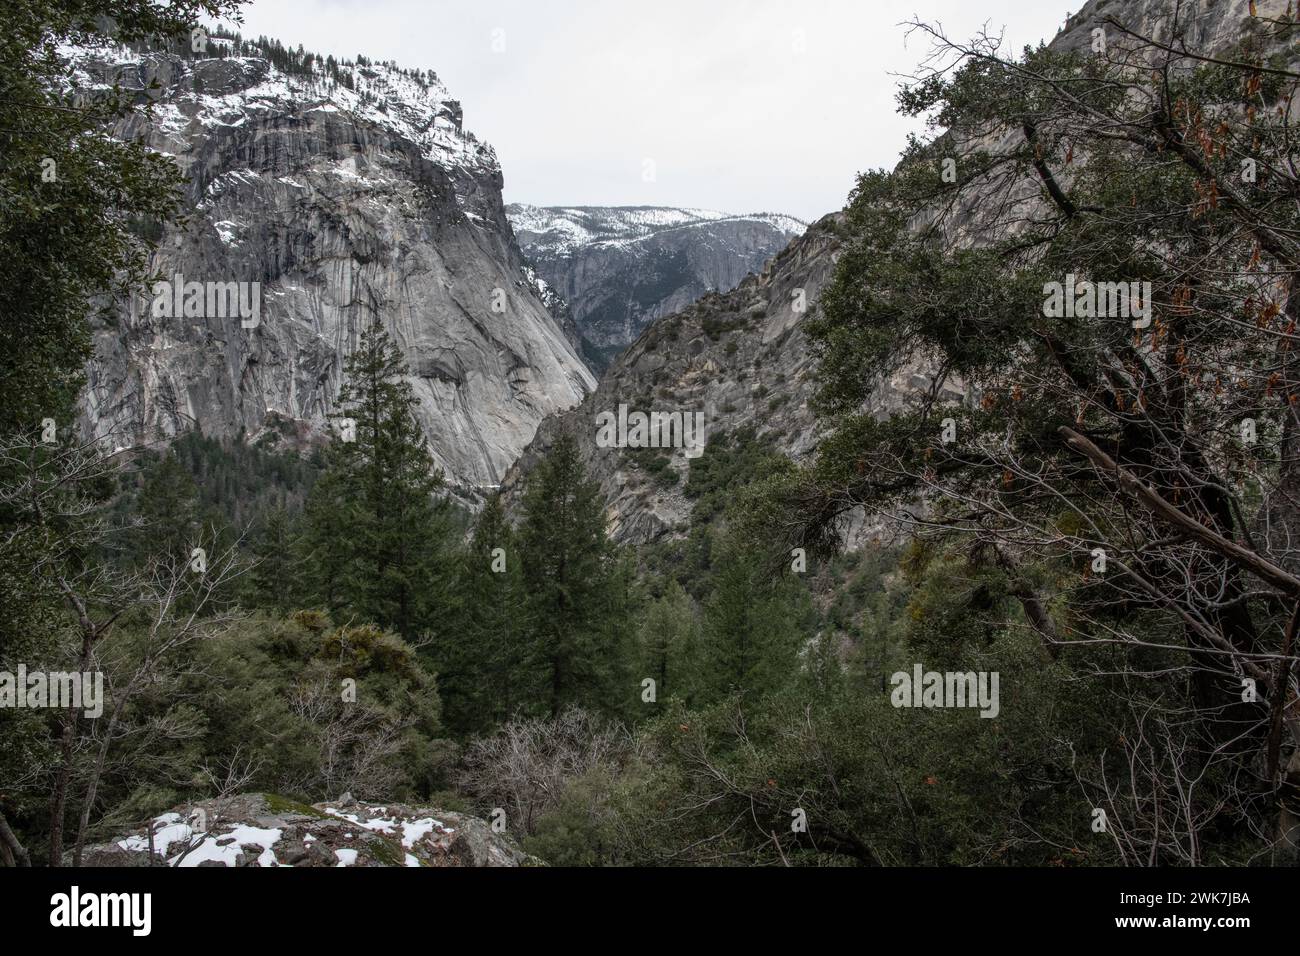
x: 670, y: 644
x: 751, y: 628
x: 321, y: 548
x: 272, y: 582
x: 376, y: 526
x: 168, y: 509
x: 75, y: 205
x: 620, y: 686
x: 491, y: 668
x: 566, y: 560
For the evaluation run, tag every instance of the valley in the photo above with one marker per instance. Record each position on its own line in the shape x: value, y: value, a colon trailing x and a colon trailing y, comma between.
x: 396, y: 525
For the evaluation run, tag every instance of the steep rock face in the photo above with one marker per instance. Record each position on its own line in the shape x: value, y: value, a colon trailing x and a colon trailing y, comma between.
x: 620, y: 268
x: 1212, y: 25
x: 740, y: 358
x: 351, y: 198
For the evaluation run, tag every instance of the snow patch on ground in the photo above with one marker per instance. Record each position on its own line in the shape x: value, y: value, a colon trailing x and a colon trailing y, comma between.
x: 169, y: 829
x: 224, y: 848
x: 412, y: 830
x: 226, y: 230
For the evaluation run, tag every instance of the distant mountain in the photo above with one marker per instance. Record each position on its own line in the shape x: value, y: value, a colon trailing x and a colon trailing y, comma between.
x: 619, y: 268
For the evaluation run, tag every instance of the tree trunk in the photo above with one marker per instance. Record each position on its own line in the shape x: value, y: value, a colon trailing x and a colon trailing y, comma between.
x: 15, y: 854
x: 59, y: 795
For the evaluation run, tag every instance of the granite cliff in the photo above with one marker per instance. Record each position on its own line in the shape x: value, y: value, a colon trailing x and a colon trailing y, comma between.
x: 351, y: 194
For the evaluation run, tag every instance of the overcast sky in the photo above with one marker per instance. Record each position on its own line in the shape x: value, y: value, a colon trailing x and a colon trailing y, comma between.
x: 741, y: 105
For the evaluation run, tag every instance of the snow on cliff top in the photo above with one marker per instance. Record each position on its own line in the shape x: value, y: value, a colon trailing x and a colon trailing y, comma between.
x: 560, y: 230
x: 419, y: 110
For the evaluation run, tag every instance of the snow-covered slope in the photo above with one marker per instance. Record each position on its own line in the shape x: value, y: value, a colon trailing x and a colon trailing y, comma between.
x: 564, y: 230
x: 620, y: 268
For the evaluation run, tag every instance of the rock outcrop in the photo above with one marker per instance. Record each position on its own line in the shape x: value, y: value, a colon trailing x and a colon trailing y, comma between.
x: 268, y: 830
x: 351, y: 194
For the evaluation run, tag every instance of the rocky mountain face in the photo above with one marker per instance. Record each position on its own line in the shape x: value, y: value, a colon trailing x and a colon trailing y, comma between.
x: 1208, y: 25
x: 620, y: 268
x: 337, y: 195
x: 265, y: 830
x: 741, y: 357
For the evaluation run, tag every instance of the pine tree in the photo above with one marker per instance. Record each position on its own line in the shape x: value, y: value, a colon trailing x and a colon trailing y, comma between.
x: 619, y: 685
x: 752, y: 628
x: 670, y: 645
x: 273, y: 579
x: 376, y: 527
x: 169, y: 511
x: 491, y: 668
x: 567, y: 563
x: 321, y: 547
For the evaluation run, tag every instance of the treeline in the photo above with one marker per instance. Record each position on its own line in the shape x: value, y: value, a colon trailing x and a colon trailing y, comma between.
x: 306, y: 626
x: 222, y: 42
x: 1106, y: 519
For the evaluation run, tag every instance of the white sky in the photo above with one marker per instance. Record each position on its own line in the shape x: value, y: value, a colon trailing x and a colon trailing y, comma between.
x: 742, y: 105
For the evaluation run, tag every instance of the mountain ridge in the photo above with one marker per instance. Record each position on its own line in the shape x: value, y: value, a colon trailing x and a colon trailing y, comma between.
x: 618, y: 268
